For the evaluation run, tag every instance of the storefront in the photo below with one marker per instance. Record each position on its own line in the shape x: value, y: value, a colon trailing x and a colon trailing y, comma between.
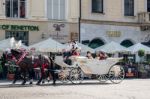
x: 99, y: 34
x: 19, y: 32
x: 30, y: 31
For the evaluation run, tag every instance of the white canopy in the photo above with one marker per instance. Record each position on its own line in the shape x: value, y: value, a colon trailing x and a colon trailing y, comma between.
x: 48, y: 45
x: 85, y: 48
x: 135, y: 48
x: 111, y: 47
x: 11, y: 43
x: 7, y: 43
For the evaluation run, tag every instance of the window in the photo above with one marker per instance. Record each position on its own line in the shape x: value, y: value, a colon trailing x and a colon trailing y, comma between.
x: 22, y: 35
x: 16, y: 8
x: 148, y: 5
x: 56, y: 9
x: 96, y: 43
x: 97, y: 6
x: 129, y: 7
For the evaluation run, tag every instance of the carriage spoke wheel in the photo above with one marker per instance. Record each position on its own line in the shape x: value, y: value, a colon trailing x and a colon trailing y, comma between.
x: 102, y: 78
x: 63, y: 76
x: 116, y: 74
x: 76, y: 76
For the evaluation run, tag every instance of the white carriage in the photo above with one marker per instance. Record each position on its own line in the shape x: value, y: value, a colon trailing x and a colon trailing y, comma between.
x: 82, y: 67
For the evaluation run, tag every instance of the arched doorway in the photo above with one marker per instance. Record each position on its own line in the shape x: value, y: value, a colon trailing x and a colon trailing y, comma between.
x: 96, y: 43
x: 126, y: 43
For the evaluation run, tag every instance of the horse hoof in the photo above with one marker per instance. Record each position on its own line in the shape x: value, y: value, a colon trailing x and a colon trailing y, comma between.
x: 48, y: 81
x: 43, y: 82
x: 23, y: 84
x: 13, y: 82
x: 30, y: 83
x: 37, y: 83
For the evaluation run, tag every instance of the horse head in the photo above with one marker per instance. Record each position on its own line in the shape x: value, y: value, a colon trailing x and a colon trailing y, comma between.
x: 7, y: 55
x: 16, y: 53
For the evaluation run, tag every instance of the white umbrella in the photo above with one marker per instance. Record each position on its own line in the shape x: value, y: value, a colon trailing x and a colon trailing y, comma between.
x: 135, y: 48
x: 7, y: 43
x: 48, y: 45
x: 85, y: 48
x: 111, y: 47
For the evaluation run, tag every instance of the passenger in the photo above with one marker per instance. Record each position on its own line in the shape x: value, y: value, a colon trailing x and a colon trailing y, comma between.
x: 76, y: 52
x: 66, y: 56
x: 74, y: 44
x: 102, y: 56
x: 97, y: 56
x: 89, y: 55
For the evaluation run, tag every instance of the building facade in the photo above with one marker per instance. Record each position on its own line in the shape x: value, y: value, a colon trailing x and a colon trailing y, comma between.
x: 124, y: 21
x: 35, y: 20
x: 95, y: 23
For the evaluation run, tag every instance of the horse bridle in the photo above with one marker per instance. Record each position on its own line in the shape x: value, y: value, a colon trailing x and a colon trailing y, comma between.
x: 17, y: 61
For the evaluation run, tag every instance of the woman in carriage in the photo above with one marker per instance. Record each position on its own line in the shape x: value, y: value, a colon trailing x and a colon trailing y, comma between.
x: 100, y: 55
x: 89, y: 55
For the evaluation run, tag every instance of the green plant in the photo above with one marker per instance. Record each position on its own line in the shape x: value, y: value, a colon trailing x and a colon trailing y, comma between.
x: 11, y: 70
x: 141, y: 53
x: 1, y: 69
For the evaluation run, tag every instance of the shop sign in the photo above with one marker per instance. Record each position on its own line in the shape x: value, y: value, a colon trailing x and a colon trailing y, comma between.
x: 74, y: 36
x: 113, y: 33
x: 59, y: 37
x: 19, y: 27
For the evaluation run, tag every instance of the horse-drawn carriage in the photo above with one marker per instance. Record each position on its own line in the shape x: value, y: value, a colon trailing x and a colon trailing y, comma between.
x: 82, y: 67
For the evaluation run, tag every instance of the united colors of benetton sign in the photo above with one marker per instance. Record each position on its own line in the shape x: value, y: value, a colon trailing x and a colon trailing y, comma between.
x: 19, y: 27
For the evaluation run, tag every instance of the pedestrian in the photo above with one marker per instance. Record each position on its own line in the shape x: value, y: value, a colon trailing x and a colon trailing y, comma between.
x: 89, y: 55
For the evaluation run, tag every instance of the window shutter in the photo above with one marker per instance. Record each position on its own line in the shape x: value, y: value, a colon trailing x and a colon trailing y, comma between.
x: 62, y: 9
x: 49, y: 9
x: 55, y: 9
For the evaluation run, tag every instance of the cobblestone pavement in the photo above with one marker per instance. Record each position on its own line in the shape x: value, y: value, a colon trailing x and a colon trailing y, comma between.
x: 128, y: 89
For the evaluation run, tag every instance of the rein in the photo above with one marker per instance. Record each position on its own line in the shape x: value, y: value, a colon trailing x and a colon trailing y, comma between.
x: 22, y: 57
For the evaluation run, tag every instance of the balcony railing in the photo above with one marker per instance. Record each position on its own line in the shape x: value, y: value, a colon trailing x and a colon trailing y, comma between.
x: 144, y: 17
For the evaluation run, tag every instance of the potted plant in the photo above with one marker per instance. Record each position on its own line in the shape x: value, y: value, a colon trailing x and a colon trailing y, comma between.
x: 141, y: 54
x: 1, y: 70
x: 143, y: 72
x: 11, y: 72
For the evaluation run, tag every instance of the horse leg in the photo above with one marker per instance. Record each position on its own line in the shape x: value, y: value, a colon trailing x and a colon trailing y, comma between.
x: 46, y: 75
x: 24, y: 78
x: 31, y: 75
x: 39, y: 81
x: 16, y: 75
x: 41, y: 78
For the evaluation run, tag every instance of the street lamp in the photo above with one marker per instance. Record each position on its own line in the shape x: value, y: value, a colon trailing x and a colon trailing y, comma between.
x: 80, y: 18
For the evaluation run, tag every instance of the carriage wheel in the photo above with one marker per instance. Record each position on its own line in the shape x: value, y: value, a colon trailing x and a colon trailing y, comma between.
x: 76, y: 76
x: 103, y: 78
x: 116, y: 74
x: 63, y: 76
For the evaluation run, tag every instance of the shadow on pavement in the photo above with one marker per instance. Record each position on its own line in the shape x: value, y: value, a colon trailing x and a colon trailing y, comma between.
x: 50, y: 84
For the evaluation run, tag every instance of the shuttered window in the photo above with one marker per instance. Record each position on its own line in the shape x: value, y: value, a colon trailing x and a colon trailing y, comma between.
x: 15, y: 8
x: 148, y: 5
x: 56, y: 9
x: 97, y: 6
x: 129, y: 7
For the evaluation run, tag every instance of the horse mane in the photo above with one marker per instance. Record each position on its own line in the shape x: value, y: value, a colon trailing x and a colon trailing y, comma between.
x: 15, y: 52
